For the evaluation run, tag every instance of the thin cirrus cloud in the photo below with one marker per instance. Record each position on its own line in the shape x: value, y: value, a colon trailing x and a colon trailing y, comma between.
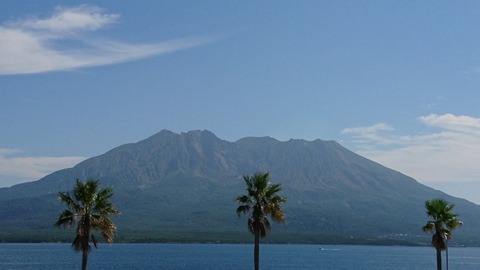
x: 15, y: 169
x: 448, y: 152
x: 35, y: 45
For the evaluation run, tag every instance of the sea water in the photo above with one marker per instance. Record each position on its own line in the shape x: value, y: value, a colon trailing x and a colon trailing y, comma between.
x: 233, y: 257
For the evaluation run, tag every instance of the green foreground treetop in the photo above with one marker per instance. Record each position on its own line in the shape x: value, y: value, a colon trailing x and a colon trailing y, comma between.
x: 89, y: 207
x: 262, y: 200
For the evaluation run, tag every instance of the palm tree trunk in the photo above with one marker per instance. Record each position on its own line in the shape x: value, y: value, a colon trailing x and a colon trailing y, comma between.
x: 439, y: 258
x: 85, y: 245
x: 256, y: 251
x: 84, y: 260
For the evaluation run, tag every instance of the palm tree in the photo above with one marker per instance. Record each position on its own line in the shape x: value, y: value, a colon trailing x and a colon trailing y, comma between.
x: 261, y: 201
x: 444, y: 221
x: 89, y: 207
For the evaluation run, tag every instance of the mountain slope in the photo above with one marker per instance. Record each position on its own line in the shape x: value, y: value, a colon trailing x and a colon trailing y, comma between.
x: 182, y: 186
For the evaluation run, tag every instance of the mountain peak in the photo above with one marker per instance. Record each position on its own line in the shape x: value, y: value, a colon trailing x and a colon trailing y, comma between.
x: 170, y: 135
x: 199, y: 133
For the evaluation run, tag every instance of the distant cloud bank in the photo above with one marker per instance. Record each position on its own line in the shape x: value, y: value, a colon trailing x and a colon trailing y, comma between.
x: 448, y: 151
x: 15, y: 169
x: 37, y: 45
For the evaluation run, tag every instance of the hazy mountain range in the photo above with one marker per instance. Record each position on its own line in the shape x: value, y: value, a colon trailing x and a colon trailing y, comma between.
x: 181, y: 187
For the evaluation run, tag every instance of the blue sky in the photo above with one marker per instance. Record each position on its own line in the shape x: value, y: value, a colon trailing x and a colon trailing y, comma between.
x: 395, y: 81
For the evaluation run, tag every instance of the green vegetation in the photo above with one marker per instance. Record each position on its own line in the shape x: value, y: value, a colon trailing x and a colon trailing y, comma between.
x: 89, y: 207
x: 192, y: 236
x: 261, y: 201
x: 444, y: 221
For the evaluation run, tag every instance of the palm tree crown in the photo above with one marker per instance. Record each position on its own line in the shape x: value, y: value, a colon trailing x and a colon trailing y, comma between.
x: 89, y: 207
x: 261, y: 201
x: 444, y: 221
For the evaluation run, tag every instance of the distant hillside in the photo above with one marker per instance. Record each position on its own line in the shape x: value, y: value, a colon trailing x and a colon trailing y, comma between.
x: 181, y: 187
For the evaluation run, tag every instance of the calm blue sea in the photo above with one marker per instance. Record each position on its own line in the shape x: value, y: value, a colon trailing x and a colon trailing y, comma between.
x: 232, y: 257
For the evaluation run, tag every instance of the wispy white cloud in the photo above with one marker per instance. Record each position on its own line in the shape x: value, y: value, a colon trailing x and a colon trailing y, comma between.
x: 9, y: 151
x: 16, y: 169
x: 378, y: 133
x: 83, y: 17
x: 38, y: 45
x: 449, y: 151
x: 465, y: 124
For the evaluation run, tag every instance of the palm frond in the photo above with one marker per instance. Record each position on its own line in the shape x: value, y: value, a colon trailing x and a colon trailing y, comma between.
x: 272, y: 190
x: 94, y: 241
x: 250, y: 226
x: 266, y: 225
x: 243, y: 199
x: 243, y: 209
x: 107, y: 229
x: 263, y: 230
x: 429, y: 227
x: 277, y: 214
x: 66, y: 218
x: 69, y: 201
x: 77, y: 243
x: 454, y: 223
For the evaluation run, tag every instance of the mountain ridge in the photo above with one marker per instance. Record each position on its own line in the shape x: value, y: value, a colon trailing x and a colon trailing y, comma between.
x: 195, y: 176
